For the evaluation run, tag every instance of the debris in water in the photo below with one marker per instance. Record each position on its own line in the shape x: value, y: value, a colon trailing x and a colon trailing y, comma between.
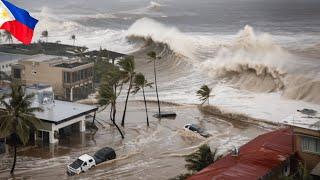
x: 309, y: 112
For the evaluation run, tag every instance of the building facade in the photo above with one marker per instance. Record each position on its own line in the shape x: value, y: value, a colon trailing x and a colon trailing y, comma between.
x: 307, y: 145
x: 71, y: 79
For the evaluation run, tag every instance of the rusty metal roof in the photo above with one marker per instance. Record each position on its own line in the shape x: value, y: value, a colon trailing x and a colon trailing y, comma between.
x: 255, y: 159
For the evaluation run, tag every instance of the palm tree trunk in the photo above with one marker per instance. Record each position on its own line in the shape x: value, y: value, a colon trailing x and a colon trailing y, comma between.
x: 125, y: 106
x: 155, y: 81
x: 14, y: 156
x: 114, y: 122
x: 145, y: 105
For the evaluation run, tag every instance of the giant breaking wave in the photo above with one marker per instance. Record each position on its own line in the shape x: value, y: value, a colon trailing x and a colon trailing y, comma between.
x: 257, y: 63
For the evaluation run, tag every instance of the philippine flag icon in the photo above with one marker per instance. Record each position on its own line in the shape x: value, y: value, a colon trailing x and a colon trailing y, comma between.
x: 17, y: 21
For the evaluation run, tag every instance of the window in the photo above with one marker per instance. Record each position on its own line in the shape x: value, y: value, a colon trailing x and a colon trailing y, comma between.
x: 17, y: 73
x: 310, y: 144
x: 67, y: 77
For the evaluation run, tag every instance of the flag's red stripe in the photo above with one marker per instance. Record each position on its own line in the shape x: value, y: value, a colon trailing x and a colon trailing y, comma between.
x: 20, y: 31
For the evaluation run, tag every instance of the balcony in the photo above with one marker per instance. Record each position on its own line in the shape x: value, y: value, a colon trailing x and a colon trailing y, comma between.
x: 78, y: 83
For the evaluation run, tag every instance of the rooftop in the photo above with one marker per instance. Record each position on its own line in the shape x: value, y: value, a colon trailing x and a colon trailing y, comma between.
x: 255, y: 159
x: 38, y: 86
x: 70, y: 65
x: 5, y: 57
x: 61, y: 111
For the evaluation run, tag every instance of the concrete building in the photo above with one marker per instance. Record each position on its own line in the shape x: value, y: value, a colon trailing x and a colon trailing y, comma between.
x: 56, y: 114
x: 71, y: 79
x: 307, y: 145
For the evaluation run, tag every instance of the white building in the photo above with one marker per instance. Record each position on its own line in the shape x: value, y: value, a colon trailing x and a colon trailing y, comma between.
x: 56, y: 114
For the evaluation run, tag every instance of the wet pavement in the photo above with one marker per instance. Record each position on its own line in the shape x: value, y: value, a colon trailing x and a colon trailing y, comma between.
x: 150, y: 153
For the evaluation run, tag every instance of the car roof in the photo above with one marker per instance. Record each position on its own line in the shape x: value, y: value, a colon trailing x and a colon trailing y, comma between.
x: 193, y: 125
x: 85, y: 157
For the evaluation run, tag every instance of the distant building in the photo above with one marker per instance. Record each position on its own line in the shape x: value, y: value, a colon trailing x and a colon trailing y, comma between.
x: 71, y: 79
x: 7, y: 60
x: 268, y: 156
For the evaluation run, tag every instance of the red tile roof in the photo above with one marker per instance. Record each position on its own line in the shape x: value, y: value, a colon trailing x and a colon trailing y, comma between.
x: 256, y: 158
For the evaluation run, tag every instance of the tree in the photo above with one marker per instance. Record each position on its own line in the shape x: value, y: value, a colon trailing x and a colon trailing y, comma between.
x: 154, y: 57
x: 202, y: 158
x: 18, y: 119
x: 108, y: 92
x: 198, y: 160
x: 73, y: 37
x: 139, y: 83
x: 127, y: 65
x: 45, y: 34
x: 8, y: 37
x: 204, y: 93
x: 80, y: 51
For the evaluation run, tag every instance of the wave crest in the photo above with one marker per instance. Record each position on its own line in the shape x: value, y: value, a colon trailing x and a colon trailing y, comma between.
x: 253, y: 62
x: 150, y: 30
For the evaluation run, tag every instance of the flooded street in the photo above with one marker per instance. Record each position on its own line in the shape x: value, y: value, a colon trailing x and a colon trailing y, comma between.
x: 145, y: 153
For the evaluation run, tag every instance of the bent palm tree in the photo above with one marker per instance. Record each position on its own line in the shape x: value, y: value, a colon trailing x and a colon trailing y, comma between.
x: 154, y: 57
x: 45, y: 34
x: 127, y: 65
x: 202, y: 158
x: 139, y: 83
x: 108, y: 93
x: 18, y: 119
x: 204, y: 93
x: 8, y: 37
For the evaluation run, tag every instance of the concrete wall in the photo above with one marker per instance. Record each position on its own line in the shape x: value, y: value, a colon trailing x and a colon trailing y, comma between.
x: 43, y: 73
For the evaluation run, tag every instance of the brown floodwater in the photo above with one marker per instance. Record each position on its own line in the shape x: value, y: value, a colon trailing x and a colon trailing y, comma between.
x: 150, y: 153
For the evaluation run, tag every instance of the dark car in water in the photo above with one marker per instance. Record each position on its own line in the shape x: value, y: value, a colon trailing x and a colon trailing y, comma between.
x: 197, y: 129
x: 104, y: 154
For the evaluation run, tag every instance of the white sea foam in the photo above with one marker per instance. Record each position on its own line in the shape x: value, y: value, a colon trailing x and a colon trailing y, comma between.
x: 177, y: 41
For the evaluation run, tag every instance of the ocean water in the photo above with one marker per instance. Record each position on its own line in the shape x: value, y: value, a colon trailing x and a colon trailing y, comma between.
x: 254, y: 53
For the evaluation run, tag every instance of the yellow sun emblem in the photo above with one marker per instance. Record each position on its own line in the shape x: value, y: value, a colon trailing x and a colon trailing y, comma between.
x: 4, y: 14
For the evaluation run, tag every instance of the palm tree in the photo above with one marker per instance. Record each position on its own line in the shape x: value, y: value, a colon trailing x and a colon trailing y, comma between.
x: 139, y: 83
x: 80, y: 51
x: 202, y: 158
x: 204, y: 93
x: 18, y: 119
x: 45, y: 34
x: 154, y: 57
x: 127, y: 65
x: 8, y: 37
x: 108, y: 92
x: 73, y: 37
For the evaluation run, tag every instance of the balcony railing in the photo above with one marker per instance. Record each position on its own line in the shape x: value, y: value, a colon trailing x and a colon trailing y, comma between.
x: 80, y: 82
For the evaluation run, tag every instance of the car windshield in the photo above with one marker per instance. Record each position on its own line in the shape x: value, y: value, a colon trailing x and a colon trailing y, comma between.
x: 76, y: 164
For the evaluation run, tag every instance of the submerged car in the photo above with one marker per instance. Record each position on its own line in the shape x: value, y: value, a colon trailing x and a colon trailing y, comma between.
x: 82, y: 164
x: 86, y: 162
x: 104, y: 154
x: 197, y: 129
